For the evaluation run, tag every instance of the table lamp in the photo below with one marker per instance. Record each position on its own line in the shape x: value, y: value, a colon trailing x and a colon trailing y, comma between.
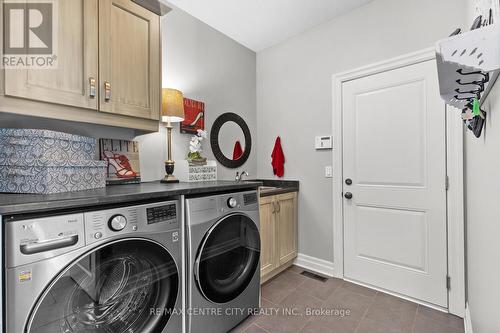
x: 172, y: 111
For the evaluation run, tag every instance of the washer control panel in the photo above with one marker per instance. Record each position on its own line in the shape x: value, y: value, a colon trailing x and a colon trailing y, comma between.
x: 147, y: 218
x: 161, y: 214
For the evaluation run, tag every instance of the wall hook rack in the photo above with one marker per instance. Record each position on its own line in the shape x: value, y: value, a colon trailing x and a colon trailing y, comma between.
x: 468, y: 65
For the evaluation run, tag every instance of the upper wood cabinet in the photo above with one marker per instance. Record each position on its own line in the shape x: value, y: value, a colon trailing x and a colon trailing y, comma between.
x: 129, y: 59
x: 77, y: 63
x: 108, y: 68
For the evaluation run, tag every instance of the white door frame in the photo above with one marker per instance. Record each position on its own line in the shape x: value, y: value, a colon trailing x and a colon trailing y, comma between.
x: 454, y: 169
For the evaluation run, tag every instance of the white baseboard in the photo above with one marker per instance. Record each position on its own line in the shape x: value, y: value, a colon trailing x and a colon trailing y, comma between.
x: 316, y: 265
x: 467, y: 320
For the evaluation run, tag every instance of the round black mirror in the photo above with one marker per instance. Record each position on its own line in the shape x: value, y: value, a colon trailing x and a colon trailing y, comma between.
x: 231, y: 140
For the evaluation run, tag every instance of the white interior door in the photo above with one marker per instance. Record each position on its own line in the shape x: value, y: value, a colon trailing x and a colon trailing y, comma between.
x: 394, y: 152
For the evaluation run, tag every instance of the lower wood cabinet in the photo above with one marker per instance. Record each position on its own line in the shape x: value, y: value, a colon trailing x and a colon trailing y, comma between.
x: 268, y: 262
x: 278, y: 232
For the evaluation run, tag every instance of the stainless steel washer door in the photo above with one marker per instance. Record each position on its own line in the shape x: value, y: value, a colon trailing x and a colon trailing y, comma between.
x: 228, y: 258
x: 123, y: 286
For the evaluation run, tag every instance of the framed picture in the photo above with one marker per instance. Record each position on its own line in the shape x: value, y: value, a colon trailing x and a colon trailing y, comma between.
x: 194, y: 116
x: 122, y: 157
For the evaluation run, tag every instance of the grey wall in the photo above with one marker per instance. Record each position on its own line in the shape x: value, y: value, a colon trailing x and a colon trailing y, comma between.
x: 294, y: 93
x: 482, y: 179
x: 204, y: 64
x: 209, y: 66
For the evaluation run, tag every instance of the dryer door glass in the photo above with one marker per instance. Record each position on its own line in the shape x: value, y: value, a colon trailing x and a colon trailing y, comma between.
x: 228, y: 258
x: 125, y: 286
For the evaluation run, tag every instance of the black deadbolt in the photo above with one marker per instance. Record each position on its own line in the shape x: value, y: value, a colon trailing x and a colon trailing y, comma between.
x: 348, y: 181
x: 348, y: 195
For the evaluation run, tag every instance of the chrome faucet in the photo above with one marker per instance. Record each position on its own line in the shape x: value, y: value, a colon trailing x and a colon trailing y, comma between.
x: 239, y: 177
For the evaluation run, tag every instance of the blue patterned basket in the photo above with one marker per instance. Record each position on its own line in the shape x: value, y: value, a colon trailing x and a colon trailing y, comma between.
x: 47, y: 177
x: 27, y: 145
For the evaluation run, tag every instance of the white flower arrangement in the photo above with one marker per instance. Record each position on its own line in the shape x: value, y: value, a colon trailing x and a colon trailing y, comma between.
x: 195, y: 147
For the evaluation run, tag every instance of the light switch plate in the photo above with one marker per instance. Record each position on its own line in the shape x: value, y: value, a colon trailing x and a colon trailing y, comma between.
x: 328, y: 171
x: 323, y: 142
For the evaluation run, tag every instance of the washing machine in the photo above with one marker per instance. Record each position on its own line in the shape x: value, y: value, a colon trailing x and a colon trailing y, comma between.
x: 114, y: 270
x: 223, y: 255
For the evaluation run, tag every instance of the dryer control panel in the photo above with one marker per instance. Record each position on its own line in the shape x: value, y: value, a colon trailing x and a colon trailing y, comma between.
x: 203, y: 209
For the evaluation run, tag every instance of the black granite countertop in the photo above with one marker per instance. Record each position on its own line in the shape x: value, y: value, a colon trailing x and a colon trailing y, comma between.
x: 11, y: 204
x: 278, y: 186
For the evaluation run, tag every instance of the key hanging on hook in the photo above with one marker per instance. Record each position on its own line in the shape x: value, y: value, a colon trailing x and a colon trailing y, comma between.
x: 475, y: 107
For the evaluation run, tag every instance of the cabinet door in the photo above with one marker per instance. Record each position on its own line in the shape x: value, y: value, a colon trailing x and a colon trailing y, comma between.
x: 129, y: 59
x: 287, y: 227
x: 77, y: 61
x: 268, y: 260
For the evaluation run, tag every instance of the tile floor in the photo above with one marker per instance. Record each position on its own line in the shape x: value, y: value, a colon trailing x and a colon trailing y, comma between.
x: 370, y: 311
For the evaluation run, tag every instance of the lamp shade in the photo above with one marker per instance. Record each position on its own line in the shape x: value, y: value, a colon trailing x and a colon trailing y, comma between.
x: 172, y: 106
